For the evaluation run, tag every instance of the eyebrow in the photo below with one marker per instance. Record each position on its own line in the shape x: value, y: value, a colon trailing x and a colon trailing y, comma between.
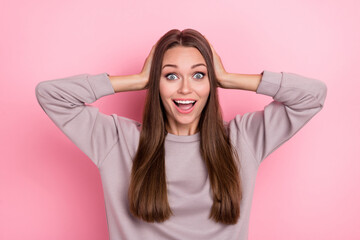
x: 175, y: 66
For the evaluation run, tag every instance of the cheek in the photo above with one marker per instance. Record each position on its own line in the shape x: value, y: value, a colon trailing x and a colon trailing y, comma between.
x: 162, y: 89
x: 203, y: 90
x: 165, y: 91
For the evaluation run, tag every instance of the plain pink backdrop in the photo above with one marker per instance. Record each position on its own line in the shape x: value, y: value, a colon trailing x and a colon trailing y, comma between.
x: 306, y: 189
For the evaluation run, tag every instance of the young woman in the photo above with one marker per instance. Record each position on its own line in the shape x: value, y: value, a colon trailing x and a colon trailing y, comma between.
x: 183, y: 173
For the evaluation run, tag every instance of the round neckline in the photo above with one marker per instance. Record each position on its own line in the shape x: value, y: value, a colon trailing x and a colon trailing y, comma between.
x: 183, y: 138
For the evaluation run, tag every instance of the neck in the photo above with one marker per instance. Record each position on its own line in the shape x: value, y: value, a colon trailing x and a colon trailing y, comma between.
x: 181, y: 130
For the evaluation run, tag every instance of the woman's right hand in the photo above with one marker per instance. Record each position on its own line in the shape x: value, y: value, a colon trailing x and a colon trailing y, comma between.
x: 145, y: 72
x: 134, y: 82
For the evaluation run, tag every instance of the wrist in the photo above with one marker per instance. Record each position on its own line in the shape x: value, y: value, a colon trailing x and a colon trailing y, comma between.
x: 221, y: 78
x: 142, y: 81
x: 224, y: 80
x: 128, y: 82
x: 241, y: 81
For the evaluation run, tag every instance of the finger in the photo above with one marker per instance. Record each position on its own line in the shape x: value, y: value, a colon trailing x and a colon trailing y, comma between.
x: 152, y: 50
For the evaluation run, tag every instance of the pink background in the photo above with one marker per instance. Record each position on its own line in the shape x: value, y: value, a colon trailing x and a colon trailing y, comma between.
x: 306, y: 189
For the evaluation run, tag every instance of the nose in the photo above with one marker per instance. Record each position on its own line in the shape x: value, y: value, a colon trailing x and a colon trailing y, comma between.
x: 185, y: 86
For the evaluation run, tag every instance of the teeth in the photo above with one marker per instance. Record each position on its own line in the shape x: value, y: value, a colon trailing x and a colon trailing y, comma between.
x: 184, y: 102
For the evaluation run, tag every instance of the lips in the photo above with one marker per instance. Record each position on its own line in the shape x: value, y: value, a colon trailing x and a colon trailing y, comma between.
x: 184, y: 105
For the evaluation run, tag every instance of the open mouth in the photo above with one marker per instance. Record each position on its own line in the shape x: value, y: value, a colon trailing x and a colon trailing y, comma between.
x: 184, y: 102
x: 184, y: 105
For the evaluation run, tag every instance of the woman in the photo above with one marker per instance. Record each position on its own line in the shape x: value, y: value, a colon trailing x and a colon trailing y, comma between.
x: 183, y: 173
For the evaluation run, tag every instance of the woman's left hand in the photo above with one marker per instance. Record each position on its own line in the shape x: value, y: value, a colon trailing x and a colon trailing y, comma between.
x: 220, y: 71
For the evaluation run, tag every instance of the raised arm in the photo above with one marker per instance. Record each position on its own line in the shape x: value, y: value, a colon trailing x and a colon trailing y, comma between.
x: 136, y: 81
x: 296, y: 100
x: 65, y: 101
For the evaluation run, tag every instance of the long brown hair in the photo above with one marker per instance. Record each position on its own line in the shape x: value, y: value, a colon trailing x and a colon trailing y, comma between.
x: 148, y: 190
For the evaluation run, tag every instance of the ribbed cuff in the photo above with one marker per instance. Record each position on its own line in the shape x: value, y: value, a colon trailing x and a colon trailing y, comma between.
x: 270, y: 83
x: 101, y: 85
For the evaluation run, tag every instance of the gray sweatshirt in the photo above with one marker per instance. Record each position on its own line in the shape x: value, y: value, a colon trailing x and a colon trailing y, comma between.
x: 110, y: 142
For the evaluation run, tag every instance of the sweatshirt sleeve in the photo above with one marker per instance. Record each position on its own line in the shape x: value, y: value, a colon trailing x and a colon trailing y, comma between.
x: 64, y: 101
x: 296, y: 99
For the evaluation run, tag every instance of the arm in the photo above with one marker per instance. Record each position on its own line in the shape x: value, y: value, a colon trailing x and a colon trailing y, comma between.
x: 136, y: 81
x: 248, y: 82
x: 128, y: 83
x: 63, y: 100
x: 296, y: 100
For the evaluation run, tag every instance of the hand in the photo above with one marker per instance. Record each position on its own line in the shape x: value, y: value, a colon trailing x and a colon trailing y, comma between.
x: 220, y: 71
x: 145, y: 72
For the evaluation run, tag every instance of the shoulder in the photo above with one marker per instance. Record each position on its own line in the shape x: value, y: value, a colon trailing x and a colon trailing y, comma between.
x: 235, y: 124
x: 128, y: 132
x: 237, y: 127
x: 232, y: 127
x: 237, y: 132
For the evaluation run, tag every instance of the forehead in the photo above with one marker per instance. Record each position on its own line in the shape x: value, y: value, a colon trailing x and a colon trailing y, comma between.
x: 183, y: 55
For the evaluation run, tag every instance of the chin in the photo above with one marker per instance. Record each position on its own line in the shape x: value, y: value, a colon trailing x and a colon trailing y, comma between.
x: 185, y: 120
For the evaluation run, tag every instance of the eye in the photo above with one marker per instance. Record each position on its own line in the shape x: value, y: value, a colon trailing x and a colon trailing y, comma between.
x: 202, y: 75
x: 170, y: 74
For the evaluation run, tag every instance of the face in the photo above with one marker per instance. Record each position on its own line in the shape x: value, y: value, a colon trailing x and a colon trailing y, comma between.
x: 184, y: 88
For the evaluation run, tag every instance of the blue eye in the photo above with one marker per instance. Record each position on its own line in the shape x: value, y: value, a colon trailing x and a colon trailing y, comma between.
x: 200, y: 74
x: 203, y: 75
x: 170, y: 74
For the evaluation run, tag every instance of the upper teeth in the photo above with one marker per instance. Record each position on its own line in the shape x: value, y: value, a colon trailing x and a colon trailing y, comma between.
x: 184, y: 101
